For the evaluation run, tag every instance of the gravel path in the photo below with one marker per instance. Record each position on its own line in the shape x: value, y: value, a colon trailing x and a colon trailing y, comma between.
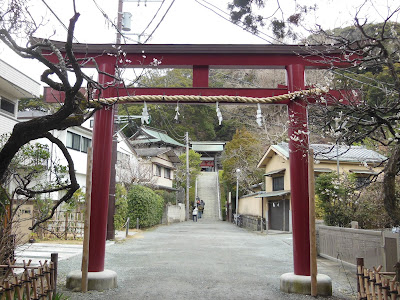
x: 203, y: 260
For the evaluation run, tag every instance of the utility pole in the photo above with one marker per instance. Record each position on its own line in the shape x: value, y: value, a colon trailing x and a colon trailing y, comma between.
x: 187, y: 176
x: 237, y: 195
x: 119, y: 20
x: 111, y: 196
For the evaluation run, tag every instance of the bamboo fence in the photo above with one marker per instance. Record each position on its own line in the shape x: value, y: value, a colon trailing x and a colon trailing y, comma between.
x: 65, y: 224
x: 34, y: 283
x: 376, y: 285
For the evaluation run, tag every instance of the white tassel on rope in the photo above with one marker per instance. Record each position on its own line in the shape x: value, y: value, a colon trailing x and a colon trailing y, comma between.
x: 219, y: 114
x: 177, y: 112
x: 259, y: 115
x: 145, y: 115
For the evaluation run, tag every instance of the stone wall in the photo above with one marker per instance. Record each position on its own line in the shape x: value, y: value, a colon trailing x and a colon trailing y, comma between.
x: 251, y: 222
x: 346, y: 244
x: 174, y: 213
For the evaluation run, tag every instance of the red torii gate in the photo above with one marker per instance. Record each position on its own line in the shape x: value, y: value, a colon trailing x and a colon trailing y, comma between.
x: 201, y: 58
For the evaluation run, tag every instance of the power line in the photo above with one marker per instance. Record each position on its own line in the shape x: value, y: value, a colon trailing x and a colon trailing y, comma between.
x: 155, y: 15
x: 107, y: 17
x: 162, y: 19
x: 59, y: 20
x: 230, y: 21
x: 170, y: 128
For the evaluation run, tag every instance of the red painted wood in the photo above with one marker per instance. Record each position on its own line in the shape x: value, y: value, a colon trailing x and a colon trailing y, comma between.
x: 226, y: 61
x: 215, y: 56
x: 102, y: 142
x: 298, y: 147
x: 200, y: 76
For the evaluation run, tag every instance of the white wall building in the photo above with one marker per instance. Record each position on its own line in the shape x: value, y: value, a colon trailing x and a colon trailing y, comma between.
x: 13, y: 86
x: 77, y: 139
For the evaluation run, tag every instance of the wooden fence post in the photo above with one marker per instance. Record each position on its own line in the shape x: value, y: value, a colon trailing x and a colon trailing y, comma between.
x: 54, y: 260
x: 313, y: 242
x: 127, y: 227
x: 360, y: 274
x: 86, y: 234
x: 66, y: 225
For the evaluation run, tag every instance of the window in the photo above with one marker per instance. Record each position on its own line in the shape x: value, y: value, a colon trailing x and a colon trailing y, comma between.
x: 167, y: 173
x: 277, y: 183
x: 7, y: 105
x: 77, y: 142
x: 73, y: 141
x: 91, y: 123
x: 158, y: 170
x: 86, y: 143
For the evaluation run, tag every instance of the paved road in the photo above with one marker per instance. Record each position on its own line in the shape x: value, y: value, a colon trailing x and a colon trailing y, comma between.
x: 203, y: 260
x: 42, y: 251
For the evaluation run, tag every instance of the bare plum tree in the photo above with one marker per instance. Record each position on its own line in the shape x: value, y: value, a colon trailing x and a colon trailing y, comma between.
x: 17, y: 28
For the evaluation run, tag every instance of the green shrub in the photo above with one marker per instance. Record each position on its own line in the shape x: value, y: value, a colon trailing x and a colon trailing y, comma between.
x: 145, y: 204
x: 169, y: 197
x: 121, y: 206
x: 339, y: 201
x: 337, y: 198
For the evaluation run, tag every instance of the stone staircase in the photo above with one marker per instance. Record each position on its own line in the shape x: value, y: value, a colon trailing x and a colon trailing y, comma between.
x: 207, y: 191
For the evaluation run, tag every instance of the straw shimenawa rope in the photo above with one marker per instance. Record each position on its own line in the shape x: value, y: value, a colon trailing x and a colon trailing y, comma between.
x: 211, y: 99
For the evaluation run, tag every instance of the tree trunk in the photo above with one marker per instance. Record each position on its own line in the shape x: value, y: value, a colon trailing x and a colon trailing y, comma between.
x: 390, y: 200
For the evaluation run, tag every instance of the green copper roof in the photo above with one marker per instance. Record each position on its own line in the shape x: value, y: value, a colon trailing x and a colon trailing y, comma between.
x: 160, y: 137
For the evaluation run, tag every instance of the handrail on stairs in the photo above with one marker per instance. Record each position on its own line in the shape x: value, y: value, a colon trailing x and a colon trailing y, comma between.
x: 195, y: 189
x: 219, y: 197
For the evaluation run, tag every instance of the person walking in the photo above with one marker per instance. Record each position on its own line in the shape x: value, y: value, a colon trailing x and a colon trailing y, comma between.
x: 194, y: 213
x: 202, y: 206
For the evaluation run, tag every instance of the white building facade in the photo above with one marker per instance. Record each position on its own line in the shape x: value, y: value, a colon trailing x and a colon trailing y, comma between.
x: 13, y: 86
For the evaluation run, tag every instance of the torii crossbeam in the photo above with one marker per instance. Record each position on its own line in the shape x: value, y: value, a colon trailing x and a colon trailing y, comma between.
x: 201, y: 58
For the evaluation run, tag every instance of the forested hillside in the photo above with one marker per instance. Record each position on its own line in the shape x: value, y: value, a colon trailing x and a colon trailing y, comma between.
x: 201, y: 120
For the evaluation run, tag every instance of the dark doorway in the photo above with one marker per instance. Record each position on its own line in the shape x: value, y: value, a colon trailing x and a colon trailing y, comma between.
x: 278, y: 215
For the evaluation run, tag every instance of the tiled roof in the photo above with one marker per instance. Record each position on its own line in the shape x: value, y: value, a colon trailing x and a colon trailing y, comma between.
x: 346, y: 153
x: 264, y: 194
x: 159, y: 136
x: 154, y: 152
x: 150, y: 152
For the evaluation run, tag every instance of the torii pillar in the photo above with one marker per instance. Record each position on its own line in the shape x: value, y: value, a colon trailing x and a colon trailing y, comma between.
x: 98, y: 277
x: 298, y: 157
x: 299, y: 282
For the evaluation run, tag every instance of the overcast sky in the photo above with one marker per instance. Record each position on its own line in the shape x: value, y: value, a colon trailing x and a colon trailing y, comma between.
x: 187, y: 22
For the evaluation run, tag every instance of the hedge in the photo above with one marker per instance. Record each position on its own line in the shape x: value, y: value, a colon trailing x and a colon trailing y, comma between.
x: 145, y: 204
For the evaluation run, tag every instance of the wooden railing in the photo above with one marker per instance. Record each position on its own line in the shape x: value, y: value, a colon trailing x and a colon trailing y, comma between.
x: 376, y: 285
x: 35, y: 282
